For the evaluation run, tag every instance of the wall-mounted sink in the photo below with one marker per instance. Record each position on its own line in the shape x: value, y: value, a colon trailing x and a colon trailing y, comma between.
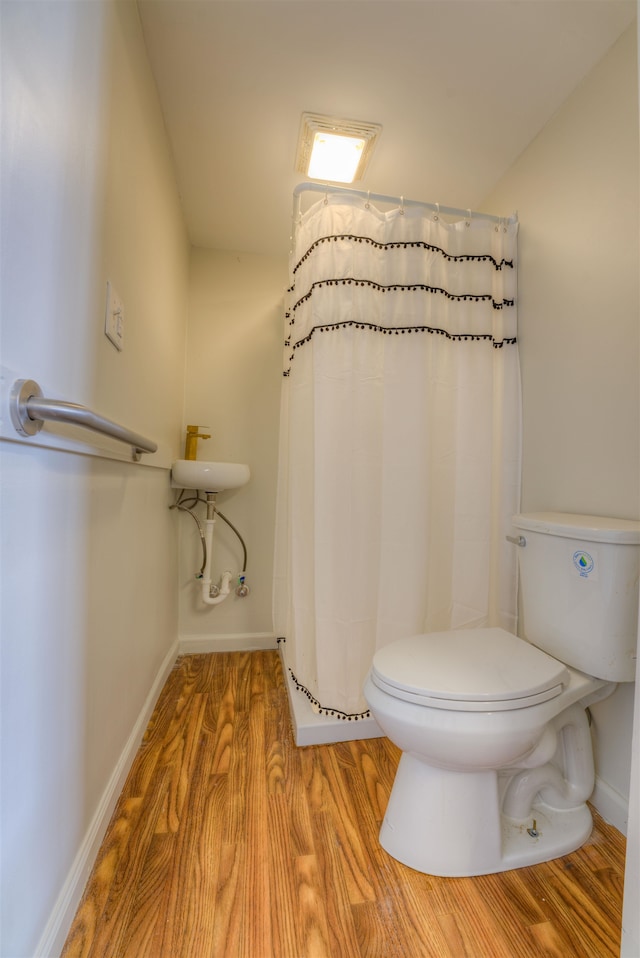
x: 208, y: 476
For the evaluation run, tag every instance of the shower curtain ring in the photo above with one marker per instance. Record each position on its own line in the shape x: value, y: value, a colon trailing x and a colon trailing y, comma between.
x: 367, y: 204
x: 469, y: 218
x: 402, y: 206
x: 436, y: 215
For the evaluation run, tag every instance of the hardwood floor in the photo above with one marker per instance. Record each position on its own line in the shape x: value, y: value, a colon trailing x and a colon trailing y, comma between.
x: 229, y: 841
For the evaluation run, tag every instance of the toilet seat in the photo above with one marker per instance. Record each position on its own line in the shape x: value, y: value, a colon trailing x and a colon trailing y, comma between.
x: 479, y: 670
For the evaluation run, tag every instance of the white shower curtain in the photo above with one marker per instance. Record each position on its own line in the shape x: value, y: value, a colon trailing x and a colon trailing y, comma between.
x: 400, y: 438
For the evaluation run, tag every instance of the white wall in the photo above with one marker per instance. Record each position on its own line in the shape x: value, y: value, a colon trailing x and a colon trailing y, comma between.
x: 576, y: 192
x: 630, y: 945
x: 89, y: 547
x: 234, y: 372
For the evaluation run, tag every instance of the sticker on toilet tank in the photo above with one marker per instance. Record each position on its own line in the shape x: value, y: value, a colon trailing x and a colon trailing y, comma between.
x: 584, y: 563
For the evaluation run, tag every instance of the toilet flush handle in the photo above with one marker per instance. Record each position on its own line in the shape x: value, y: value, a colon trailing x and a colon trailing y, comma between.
x: 517, y: 540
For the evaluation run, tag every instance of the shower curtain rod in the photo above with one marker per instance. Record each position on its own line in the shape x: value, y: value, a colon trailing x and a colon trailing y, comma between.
x: 381, y: 198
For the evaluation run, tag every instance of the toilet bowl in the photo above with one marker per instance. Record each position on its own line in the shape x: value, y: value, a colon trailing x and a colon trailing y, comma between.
x: 497, y: 761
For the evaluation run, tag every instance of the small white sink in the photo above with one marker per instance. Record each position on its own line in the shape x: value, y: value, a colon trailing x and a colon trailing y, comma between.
x: 208, y: 476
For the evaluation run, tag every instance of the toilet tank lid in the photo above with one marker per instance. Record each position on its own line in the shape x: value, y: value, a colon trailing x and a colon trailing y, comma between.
x: 572, y: 526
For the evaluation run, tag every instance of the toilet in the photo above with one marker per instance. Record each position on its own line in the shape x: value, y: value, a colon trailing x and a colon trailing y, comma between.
x: 497, y: 760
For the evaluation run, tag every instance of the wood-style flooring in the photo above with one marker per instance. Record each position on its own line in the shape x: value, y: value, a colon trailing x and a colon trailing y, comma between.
x: 230, y: 842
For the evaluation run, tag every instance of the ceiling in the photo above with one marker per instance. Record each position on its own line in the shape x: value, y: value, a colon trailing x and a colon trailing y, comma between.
x: 460, y: 87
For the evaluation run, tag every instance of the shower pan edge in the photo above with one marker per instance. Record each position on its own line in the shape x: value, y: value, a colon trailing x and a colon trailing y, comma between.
x: 309, y: 728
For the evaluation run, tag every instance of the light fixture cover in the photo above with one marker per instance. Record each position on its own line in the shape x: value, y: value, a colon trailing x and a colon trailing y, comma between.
x: 352, y: 140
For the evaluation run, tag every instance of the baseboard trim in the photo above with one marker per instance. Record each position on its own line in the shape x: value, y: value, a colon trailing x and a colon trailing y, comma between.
x: 57, y: 928
x: 226, y: 642
x: 611, y: 805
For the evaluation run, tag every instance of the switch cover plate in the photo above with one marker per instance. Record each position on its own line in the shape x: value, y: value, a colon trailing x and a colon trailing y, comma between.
x: 114, y: 317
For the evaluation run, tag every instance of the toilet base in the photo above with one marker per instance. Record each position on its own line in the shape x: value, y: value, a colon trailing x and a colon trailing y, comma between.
x: 448, y: 823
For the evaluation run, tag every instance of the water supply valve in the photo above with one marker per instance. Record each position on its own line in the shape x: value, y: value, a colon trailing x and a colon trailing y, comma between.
x: 242, y: 589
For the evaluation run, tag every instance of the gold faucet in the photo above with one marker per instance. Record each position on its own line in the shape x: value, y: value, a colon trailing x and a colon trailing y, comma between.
x: 191, y: 443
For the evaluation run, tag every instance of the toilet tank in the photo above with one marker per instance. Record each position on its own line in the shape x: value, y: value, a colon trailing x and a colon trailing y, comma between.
x: 579, y: 590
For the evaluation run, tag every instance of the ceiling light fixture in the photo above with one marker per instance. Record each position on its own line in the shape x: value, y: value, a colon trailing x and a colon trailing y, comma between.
x: 333, y: 149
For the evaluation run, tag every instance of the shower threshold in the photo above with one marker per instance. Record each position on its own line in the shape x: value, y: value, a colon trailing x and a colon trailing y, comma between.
x: 309, y: 728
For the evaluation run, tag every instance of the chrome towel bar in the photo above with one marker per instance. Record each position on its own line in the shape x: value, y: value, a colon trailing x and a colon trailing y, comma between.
x: 29, y: 410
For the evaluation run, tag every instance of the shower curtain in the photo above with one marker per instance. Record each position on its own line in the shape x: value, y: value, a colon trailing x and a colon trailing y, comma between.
x: 399, y: 460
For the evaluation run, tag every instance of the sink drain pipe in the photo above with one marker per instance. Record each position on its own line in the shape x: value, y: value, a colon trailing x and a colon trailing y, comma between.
x: 221, y: 592
x: 212, y: 594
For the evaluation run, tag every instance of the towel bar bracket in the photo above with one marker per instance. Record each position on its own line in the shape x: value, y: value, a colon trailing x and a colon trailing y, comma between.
x: 29, y: 410
x: 22, y: 391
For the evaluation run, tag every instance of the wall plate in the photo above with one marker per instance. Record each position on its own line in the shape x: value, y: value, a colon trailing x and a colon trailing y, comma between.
x: 114, y: 317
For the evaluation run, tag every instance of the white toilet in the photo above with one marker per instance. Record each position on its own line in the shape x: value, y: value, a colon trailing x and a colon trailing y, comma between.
x: 497, y: 761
